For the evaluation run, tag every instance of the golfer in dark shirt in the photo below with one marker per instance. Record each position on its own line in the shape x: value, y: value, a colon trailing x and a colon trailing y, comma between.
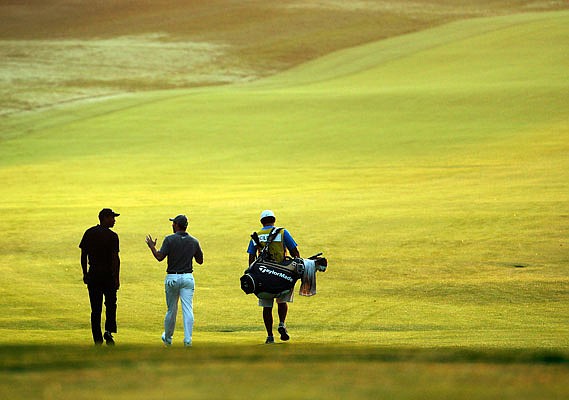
x: 100, y: 249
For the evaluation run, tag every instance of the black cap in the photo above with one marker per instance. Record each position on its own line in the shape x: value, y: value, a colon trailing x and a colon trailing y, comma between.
x: 107, y: 212
x: 180, y: 220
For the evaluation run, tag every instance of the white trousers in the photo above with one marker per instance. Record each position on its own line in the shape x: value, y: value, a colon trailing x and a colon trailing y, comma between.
x: 179, y: 286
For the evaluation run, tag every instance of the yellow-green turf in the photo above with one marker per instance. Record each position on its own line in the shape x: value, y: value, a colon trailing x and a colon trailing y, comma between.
x: 431, y: 169
x: 278, y: 371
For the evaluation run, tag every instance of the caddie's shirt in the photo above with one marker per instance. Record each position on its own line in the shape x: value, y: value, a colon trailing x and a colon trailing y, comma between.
x: 100, y: 244
x: 180, y: 247
x: 284, y: 237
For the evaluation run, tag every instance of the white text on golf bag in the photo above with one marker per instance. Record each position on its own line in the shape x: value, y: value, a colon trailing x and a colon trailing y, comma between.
x: 264, y: 270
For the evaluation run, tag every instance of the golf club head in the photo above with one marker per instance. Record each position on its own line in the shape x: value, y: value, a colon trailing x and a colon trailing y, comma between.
x: 321, y: 264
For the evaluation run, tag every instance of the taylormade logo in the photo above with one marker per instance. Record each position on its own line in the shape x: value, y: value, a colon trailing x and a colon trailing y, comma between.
x: 279, y: 274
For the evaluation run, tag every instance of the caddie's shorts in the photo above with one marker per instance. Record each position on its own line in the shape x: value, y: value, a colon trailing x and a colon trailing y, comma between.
x: 287, y: 298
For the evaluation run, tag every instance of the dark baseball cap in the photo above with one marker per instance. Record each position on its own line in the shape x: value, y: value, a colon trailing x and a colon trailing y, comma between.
x: 180, y: 220
x: 107, y: 212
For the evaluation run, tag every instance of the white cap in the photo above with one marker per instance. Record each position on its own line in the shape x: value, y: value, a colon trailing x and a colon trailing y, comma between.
x: 267, y: 213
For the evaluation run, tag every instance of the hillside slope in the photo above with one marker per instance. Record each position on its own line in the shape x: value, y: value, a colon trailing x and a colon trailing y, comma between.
x: 56, y: 51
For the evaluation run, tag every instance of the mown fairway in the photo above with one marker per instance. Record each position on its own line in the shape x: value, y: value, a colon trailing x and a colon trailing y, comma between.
x: 431, y: 169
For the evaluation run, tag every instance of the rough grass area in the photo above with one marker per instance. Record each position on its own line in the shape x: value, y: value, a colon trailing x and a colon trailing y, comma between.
x: 56, y: 51
x: 39, y: 73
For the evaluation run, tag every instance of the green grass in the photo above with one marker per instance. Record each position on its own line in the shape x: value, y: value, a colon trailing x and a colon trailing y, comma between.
x: 431, y: 169
x: 236, y: 372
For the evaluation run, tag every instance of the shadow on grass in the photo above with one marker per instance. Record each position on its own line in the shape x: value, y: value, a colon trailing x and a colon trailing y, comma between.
x: 20, y: 358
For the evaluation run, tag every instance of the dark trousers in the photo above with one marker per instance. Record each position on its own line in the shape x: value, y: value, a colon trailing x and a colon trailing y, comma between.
x: 96, y: 294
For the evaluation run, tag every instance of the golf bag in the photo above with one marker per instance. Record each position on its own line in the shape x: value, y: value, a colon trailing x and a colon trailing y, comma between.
x: 269, y: 279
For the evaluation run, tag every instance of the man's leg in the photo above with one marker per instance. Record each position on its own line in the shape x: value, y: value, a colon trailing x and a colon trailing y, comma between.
x: 282, y: 304
x: 96, y: 300
x: 110, y: 310
x: 267, y: 305
x: 186, y: 297
x: 268, y: 319
x: 172, y: 295
x: 283, y: 310
x: 110, y: 315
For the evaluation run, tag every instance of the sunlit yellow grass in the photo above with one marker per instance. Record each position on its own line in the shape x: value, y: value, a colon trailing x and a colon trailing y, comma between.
x: 426, y: 190
x: 435, y: 181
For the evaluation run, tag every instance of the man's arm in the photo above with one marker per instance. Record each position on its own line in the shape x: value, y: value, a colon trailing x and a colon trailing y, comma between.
x: 252, y: 250
x: 84, y: 265
x: 294, y: 252
x: 290, y: 244
x: 116, y: 270
x: 152, y: 245
x: 199, y: 256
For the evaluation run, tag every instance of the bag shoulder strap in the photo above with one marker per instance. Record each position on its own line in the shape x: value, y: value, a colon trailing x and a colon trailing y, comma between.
x: 263, y: 250
x: 273, y: 234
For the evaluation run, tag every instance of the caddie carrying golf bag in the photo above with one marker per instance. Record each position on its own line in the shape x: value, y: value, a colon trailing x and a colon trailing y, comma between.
x: 266, y: 278
x: 269, y: 279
